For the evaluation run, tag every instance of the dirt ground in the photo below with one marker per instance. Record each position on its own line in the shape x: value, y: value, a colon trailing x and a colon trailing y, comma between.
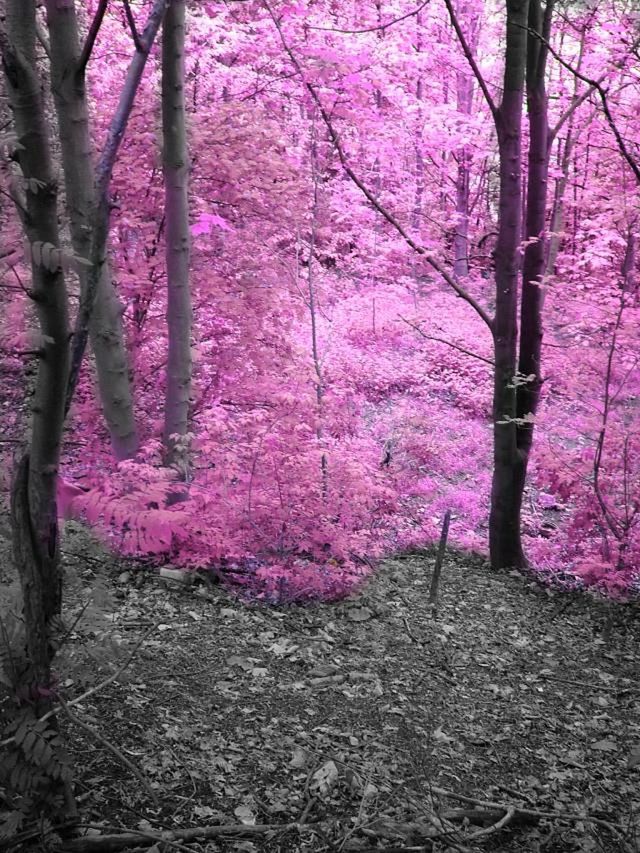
x: 340, y: 726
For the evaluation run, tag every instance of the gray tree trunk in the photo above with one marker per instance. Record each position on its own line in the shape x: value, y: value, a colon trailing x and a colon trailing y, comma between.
x: 33, y: 499
x: 505, y: 543
x: 105, y: 326
x: 176, y: 183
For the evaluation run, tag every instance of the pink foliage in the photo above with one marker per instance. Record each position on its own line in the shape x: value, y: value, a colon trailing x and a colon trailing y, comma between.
x: 307, y: 466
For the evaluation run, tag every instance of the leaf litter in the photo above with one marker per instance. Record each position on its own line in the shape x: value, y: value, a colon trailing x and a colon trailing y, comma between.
x: 349, y: 718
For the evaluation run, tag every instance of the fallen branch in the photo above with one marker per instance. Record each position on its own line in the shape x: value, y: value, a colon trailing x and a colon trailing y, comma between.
x: 451, y: 344
x: 592, y: 686
x: 518, y: 813
x: 126, y: 837
x: 112, y: 749
x: 495, y: 827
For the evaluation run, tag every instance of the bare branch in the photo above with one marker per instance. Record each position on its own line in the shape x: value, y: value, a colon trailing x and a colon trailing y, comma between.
x: 92, y: 35
x: 113, y: 677
x: 573, y: 106
x: 471, y: 59
x: 602, y: 92
x: 377, y: 28
x: 41, y: 34
x: 102, y: 206
x: 612, y: 522
x: 132, y: 26
x: 417, y: 328
x: 382, y: 210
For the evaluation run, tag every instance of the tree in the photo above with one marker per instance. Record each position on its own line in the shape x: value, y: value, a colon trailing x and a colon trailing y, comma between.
x: 68, y: 64
x: 33, y: 505
x: 34, y: 514
x: 176, y: 182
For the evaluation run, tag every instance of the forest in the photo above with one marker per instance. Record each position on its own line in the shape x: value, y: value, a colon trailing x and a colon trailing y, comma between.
x: 320, y: 371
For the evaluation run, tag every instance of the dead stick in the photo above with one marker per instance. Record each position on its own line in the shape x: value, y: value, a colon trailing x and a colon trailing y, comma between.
x: 496, y: 827
x: 550, y: 677
x: 437, y: 569
x: 126, y: 837
x: 612, y: 827
x: 112, y: 749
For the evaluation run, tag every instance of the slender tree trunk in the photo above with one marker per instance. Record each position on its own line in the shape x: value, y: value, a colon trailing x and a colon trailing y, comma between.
x: 33, y: 501
x: 416, y: 219
x: 101, y: 206
x: 469, y: 17
x: 506, y: 492
x: 629, y: 262
x: 36, y: 536
x: 176, y: 182
x: 531, y: 331
x: 556, y: 225
x: 105, y: 327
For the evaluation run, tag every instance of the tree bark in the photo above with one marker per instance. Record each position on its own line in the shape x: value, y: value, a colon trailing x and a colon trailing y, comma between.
x: 176, y: 183
x: 105, y: 325
x: 531, y: 331
x: 37, y: 474
x: 505, y: 543
x: 34, y: 518
x: 101, y: 213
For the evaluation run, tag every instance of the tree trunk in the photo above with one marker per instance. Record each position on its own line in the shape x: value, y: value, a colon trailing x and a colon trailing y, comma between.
x: 505, y: 542
x: 105, y: 326
x: 469, y: 17
x: 101, y: 212
x: 176, y: 183
x: 33, y: 504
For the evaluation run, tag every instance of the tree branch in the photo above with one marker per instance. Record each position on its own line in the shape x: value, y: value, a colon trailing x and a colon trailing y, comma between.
x: 375, y: 29
x: 94, y: 29
x: 471, y: 60
x: 101, y: 213
x: 417, y: 328
x: 382, y: 210
x: 132, y: 26
x: 576, y: 102
x: 597, y: 86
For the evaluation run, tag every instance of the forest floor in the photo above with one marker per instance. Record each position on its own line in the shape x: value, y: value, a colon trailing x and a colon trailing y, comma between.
x: 338, y: 726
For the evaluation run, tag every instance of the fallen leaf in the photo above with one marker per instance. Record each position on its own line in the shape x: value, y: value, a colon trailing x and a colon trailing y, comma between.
x: 604, y: 746
x: 634, y: 757
x: 359, y: 614
x: 440, y: 737
x: 300, y: 757
x: 238, y: 660
x: 325, y: 778
x: 245, y: 815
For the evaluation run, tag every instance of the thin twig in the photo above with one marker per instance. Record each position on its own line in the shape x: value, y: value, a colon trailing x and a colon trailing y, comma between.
x: 94, y: 689
x: 125, y: 837
x: 570, y: 816
x: 471, y: 60
x: 597, y: 85
x: 445, y: 341
x: 378, y: 27
x: 591, y: 686
x: 132, y: 26
x: 112, y: 749
x: 496, y: 827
